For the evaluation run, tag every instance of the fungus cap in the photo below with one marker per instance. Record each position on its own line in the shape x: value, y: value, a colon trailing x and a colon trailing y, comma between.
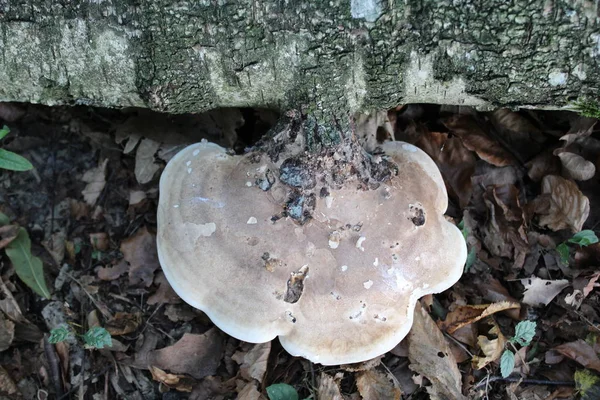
x: 340, y: 288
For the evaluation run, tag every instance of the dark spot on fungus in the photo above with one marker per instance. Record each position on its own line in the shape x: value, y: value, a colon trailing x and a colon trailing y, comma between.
x: 441, y: 355
x: 295, y: 285
x: 417, y: 215
x: 324, y: 192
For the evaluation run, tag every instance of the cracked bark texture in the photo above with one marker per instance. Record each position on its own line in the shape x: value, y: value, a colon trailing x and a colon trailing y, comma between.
x: 337, y: 55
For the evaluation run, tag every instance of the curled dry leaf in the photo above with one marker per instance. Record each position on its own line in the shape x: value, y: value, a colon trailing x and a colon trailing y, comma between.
x: 465, y: 315
x: 329, y: 386
x: 475, y: 138
x: 492, y: 290
x: 517, y: 132
x: 139, y: 251
x: 250, y: 392
x: 580, y: 128
x: 430, y: 356
x: 576, y: 167
x: 8, y: 387
x: 491, y: 348
x: 145, y: 164
x: 563, y: 206
x: 136, y: 196
x: 180, y: 383
x: 96, y: 180
x: 113, y: 272
x: 540, y: 291
x: 376, y: 385
x: 253, y: 364
x: 581, y: 352
x: 164, y: 293
x: 545, y: 163
x: 7, y: 332
x: 123, y: 323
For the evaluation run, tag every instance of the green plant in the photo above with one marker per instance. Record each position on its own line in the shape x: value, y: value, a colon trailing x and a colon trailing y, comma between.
x: 95, y: 338
x: 586, y: 107
x: 282, y: 391
x: 524, y: 333
x: 12, y: 161
x: 583, y: 238
x: 28, y: 268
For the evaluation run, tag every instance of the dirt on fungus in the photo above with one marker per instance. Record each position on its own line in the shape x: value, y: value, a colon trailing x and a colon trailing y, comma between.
x: 89, y: 207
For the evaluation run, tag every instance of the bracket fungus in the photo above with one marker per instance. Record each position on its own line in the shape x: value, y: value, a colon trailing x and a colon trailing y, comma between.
x: 266, y: 250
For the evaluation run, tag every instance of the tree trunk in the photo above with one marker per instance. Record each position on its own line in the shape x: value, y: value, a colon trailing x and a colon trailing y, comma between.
x: 326, y: 56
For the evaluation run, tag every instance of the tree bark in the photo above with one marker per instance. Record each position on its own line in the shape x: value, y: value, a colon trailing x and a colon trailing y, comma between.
x: 328, y: 56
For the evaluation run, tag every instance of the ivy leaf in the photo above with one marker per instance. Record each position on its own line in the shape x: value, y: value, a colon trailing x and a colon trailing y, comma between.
x: 59, y: 334
x: 563, y: 252
x: 97, y: 338
x: 507, y: 363
x: 4, y: 131
x: 524, y: 333
x: 584, y: 238
x: 28, y: 268
x: 282, y: 391
x: 13, y: 161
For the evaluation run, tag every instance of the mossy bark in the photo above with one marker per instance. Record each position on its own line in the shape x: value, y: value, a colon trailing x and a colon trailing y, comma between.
x: 325, y: 56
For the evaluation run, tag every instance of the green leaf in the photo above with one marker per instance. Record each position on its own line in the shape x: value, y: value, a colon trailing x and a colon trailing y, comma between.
x: 59, y: 334
x: 465, y: 231
x: 507, y: 363
x: 4, y: 220
x: 4, y: 131
x: 97, y: 338
x: 563, y: 251
x: 28, y: 268
x: 13, y: 162
x: 471, y: 258
x: 282, y: 391
x: 587, y: 384
x: 584, y: 238
x: 524, y: 333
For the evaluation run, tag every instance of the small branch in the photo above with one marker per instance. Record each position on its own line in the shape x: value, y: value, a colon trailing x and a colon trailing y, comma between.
x: 54, y: 364
x: 488, y: 380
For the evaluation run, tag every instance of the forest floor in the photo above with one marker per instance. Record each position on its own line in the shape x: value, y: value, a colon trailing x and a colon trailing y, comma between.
x: 523, y: 188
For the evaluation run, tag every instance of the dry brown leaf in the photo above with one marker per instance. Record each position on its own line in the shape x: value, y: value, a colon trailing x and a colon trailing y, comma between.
x: 492, y: 348
x: 145, y: 164
x: 123, y: 323
x: 375, y: 385
x: 581, y: 128
x: 136, y: 196
x: 543, y: 164
x: 139, y: 251
x: 576, y: 167
x: 590, y: 285
x: 194, y: 355
x: 8, y: 233
x: 329, y: 386
x: 253, y: 364
x: 430, y: 356
x: 475, y: 138
x: 465, y: 315
x: 7, y: 332
x: 55, y: 245
x: 492, y: 290
x: 99, y: 241
x: 8, y: 387
x: 517, y: 132
x: 567, y: 208
x: 580, y: 352
x: 540, y: 291
x: 95, y: 179
x: 249, y: 392
x: 180, y: 383
x: 164, y: 293
x: 114, y: 272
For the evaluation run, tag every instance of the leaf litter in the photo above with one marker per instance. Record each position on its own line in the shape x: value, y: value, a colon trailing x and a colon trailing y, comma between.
x: 523, y: 182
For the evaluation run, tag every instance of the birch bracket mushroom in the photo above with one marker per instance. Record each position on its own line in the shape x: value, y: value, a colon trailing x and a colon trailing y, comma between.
x: 266, y: 247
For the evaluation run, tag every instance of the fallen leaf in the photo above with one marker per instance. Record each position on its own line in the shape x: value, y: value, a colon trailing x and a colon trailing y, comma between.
x: 99, y: 241
x: 580, y: 352
x: 123, y: 323
x: 430, y: 356
x: 8, y: 387
x: 114, y: 272
x: 475, y: 138
x: 492, y: 290
x: 164, y: 293
x: 28, y: 268
x: 329, y: 386
x: 8, y: 233
x: 568, y: 207
x: 145, y: 163
x: 180, y: 383
x: 249, y: 392
x: 139, y: 251
x: 465, y: 315
x: 545, y: 163
x: 194, y: 355
x: 253, y: 364
x: 517, y: 132
x: 491, y: 348
x: 136, y: 196
x: 576, y: 167
x: 375, y: 385
x: 55, y: 245
x: 7, y: 332
x: 590, y: 285
x: 540, y: 291
x: 581, y: 128
x: 95, y: 179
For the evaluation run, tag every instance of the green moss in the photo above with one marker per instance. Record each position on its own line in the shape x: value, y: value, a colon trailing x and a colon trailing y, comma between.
x: 587, y: 384
x: 587, y: 108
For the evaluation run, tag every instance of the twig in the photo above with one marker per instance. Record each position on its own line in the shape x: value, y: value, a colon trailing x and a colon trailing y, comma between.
x: 103, y: 309
x: 488, y: 380
x: 54, y: 364
x: 458, y: 343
